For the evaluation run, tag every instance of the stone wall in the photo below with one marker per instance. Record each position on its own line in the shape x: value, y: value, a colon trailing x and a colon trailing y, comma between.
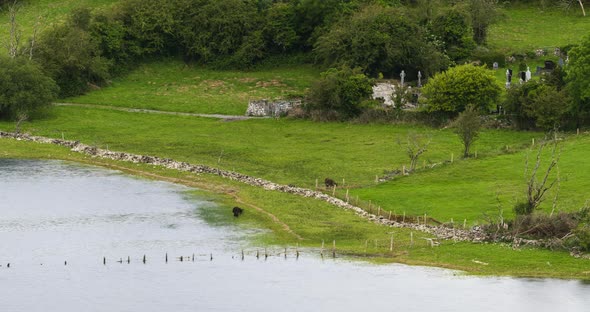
x: 266, y: 108
x: 475, y: 234
x: 384, y: 90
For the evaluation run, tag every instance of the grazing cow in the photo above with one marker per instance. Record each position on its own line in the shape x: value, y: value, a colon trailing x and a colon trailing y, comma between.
x: 330, y: 183
x: 237, y: 211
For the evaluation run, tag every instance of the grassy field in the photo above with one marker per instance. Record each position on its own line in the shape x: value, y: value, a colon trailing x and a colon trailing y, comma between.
x: 311, y: 221
x: 525, y: 29
x: 50, y: 12
x: 174, y: 86
x: 286, y: 151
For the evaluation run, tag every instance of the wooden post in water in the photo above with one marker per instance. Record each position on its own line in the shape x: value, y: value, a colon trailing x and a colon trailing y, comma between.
x: 144, y: 259
x: 322, y: 250
x: 193, y: 258
x: 128, y: 259
x: 242, y: 254
x: 104, y: 260
x: 166, y: 257
x: 297, y: 251
x: 257, y: 254
x: 285, y: 252
x: 265, y: 254
x: 181, y: 258
x: 211, y: 257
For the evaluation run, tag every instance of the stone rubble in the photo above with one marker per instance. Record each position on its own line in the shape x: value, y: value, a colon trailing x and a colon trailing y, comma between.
x: 475, y: 234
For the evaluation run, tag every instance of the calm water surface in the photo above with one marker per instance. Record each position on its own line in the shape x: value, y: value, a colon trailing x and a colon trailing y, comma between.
x: 52, y: 212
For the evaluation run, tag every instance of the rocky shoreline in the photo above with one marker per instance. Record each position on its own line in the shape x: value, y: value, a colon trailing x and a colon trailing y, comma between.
x: 475, y: 234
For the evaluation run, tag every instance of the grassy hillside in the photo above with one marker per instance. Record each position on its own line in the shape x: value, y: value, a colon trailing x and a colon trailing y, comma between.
x: 525, y: 29
x: 49, y: 11
x: 174, y: 86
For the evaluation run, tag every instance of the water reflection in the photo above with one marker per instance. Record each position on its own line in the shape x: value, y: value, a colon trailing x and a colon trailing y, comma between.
x: 52, y: 211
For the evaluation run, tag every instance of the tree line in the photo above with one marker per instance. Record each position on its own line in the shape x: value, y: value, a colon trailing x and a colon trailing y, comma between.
x: 380, y: 37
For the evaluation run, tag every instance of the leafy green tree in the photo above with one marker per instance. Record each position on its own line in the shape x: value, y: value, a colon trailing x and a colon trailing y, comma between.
x: 548, y: 107
x: 483, y: 13
x: 467, y: 127
x: 452, y: 28
x: 578, y: 79
x: 24, y: 88
x: 379, y: 40
x: 340, y: 90
x: 214, y: 29
x: 453, y: 90
x: 279, y: 28
x: 71, y: 56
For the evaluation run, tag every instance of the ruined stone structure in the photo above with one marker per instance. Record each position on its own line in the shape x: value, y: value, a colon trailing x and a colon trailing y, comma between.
x: 266, y: 108
x: 384, y: 90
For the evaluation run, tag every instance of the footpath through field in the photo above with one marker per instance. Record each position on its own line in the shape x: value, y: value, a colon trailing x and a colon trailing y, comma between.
x: 153, y: 111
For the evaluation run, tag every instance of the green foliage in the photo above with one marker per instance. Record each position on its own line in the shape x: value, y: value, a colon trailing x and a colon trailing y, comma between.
x: 483, y: 13
x: 23, y: 87
x: 379, y: 40
x: 467, y: 126
x: 453, y: 90
x: 537, y: 105
x: 70, y: 55
x: 577, y: 78
x: 452, y: 28
x: 340, y: 90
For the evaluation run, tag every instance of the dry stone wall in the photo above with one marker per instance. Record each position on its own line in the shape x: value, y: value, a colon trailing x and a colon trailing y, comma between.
x: 265, y: 108
x: 474, y: 234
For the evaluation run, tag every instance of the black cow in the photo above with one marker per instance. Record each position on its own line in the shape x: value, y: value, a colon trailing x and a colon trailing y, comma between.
x: 237, y: 211
x: 330, y: 183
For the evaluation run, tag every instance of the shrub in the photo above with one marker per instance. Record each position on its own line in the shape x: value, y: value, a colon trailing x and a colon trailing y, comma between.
x: 455, y: 89
x: 340, y: 93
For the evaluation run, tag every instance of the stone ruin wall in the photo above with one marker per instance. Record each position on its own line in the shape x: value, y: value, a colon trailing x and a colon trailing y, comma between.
x: 266, y: 108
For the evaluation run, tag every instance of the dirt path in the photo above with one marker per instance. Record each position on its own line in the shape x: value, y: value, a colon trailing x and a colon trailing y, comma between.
x: 152, y: 111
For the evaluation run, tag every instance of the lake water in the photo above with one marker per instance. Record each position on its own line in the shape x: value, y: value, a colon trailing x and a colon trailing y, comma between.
x: 52, y: 212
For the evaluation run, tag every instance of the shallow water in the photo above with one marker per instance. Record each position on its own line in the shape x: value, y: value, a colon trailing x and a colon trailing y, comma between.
x: 52, y: 212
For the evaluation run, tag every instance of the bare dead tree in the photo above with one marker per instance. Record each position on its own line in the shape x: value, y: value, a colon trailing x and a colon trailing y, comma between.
x: 415, y: 145
x: 34, y: 37
x: 20, y: 118
x: 537, y: 188
x: 15, y: 33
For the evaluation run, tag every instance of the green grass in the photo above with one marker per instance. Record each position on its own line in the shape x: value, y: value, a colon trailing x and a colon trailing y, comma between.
x: 317, y: 221
x: 525, y: 29
x: 286, y: 151
x: 479, y: 188
x: 172, y: 85
x: 50, y: 11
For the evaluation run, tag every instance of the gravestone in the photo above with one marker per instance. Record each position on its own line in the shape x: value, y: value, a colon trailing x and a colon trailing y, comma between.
x: 495, y: 65
x: 549, y: 65
x: 560, y: 62
x: 528, y: 74
x: 522, y: 76
x: 403, y: 76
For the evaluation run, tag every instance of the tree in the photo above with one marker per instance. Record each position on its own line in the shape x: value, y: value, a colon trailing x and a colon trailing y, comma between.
x: 415, y: 145
x: 453, y: 90
x: 578, y: 80
x: 379, y: 40
x: 467, y: 127
x: 340, y: 90
x: 24, y: 88
x: 452, y: 27
x: 537, y: 188
x: 483, y: 14
x: 71, y: 55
